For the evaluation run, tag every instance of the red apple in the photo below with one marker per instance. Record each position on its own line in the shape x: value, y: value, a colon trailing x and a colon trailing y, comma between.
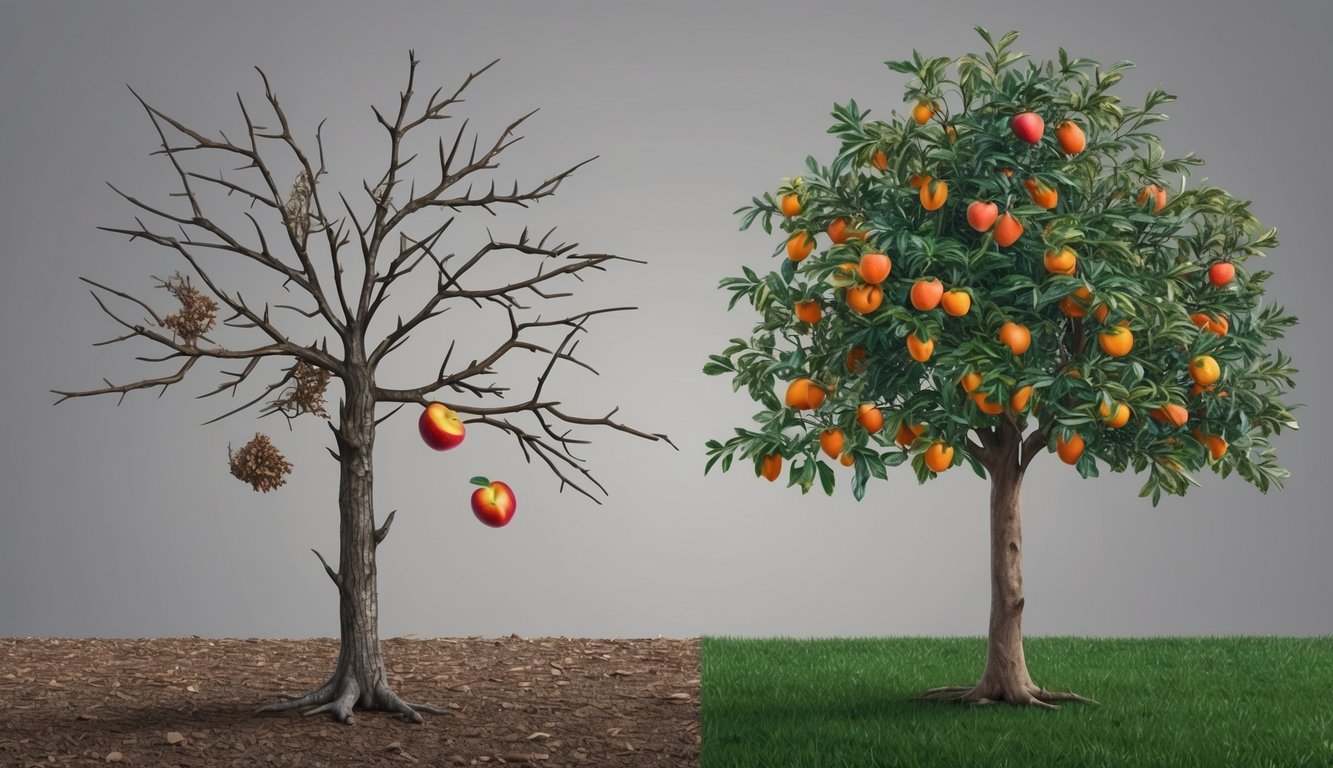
x: 440, y: 427
x: 493, y: 503
x: 1028, y: 126
x: 1221, y: 273
x: 981, y: 215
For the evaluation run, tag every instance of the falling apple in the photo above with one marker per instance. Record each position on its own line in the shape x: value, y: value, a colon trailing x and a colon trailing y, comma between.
x: 493, y: 503
x: 440, y: 427
x: 1028, y: 126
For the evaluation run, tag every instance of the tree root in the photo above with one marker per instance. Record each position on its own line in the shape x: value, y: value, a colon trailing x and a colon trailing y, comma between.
x: 1026, y: 696
x: 342, y: 698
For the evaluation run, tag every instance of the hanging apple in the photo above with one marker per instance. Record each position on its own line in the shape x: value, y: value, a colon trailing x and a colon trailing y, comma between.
x: 440, y: 427
x: 1028, y: 126
x: 493, y: 503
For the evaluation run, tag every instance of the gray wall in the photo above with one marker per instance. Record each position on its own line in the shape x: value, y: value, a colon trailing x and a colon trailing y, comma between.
x: 125, y: 522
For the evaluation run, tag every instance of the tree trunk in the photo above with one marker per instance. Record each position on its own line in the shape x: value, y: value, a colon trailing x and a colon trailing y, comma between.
x: 359, y: 680
x: 1005, y: 677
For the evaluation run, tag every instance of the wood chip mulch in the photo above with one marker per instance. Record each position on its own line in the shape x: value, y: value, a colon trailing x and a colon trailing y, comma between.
x: 189, y: 702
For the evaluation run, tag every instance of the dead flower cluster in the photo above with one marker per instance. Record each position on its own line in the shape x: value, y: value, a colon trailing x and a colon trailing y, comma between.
x: 260, y: 464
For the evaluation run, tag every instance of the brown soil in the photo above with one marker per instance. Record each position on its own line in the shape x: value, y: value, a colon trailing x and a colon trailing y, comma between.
x: 189, y: 702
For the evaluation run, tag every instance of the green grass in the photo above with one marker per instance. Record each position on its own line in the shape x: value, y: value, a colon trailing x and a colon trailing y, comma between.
x: 1177, y: 702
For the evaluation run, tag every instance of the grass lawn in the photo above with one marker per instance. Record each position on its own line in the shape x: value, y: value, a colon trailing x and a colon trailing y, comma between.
x: 1208, y: 702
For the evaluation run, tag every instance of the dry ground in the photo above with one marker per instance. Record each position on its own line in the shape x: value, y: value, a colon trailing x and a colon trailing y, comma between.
x: 188, y: 702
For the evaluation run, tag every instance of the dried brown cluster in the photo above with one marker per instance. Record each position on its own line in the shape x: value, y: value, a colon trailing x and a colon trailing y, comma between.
x: 260, y: 464
x: 306, y: 394
x: 197, y: 313
x: 297, y: 206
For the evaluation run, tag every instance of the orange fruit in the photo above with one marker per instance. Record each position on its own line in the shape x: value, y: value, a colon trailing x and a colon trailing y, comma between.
x: 804, y: 394
x: 956, y: 302
x: 869, y: 417
x: 1221, y: 273
x: 799, y: 246
x: 1204, y: 370
x: 1101, y: 312
x: 1218, y: 325
x: 933, y: 194
x: 1017, y: 337
x: 1217, y: 447
x: 1071, y: 450
x: 970, y: 381
x: 926, y: 293
x: 846, y: 459
x: 981, y: 215
x: 1071, y: 137
x: 907, y: 435
x: 1060, y: 263
x: 918, y: 349
x: 808, y: 311
x: 1157, y: 194
x: 986, y: 406
x: 922, y: 113
x: 1007, y: 230
x: 1076, y: 303
x: 939, y: 456
x: 1116, y: 341
x: 1172, y: 413
x: 917, y: 181
x: 875, y: 267
x: 880, y: 160
x: 1042, y: 195
x: 837, y: 231
x: 1022, y: 397
x: 830, y: 442
x: 865, y: 298
x: 855, y: 362
x: 790, y: 205
x: 1007, y: 172
x: 1116, y: 419
x: 1197, y: 389
x: 772, y: 467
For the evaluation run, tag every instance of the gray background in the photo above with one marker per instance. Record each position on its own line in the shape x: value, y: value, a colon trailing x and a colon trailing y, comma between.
x: 124, y: 521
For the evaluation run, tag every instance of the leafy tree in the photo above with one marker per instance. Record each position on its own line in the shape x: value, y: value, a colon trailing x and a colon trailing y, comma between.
x: 1098, y: 310
x: 343, y: 255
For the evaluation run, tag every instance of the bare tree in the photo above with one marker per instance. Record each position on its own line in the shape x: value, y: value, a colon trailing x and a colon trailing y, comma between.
x: 323, y: 236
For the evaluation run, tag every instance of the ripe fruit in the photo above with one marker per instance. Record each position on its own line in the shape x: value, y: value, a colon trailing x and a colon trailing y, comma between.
x: 1069, y: 450
x: 956, y: 302
x: 875, y: 267
x: 1204, y: 370
x: 846, y: 459
x: 865, y: 298
x: 772, y: 467
x: 926, y: 294
x: 1018, y: 402
x: 799, y: 246
x: 933, y: 194
x: 1221, y: 273
x: 1217, y: 447
x: 493, y: 503
x: 1116, y: 419
x: 986, y: 406
x: 1042, y: 195
x: 855, y: 362
x: 1157, y: 194
x: 1008, y: 172
x: 880, y: 160
x: 1116, y: 341
x: 1017, y: 337
x: 939, y: 457
x: 790, y: 205
x: 1172, y: 413
x: 869, y: 417
x: 1101, y: 312
x: 830, y: 442
x: 970, y: 381
x: 440, y: 427
x: 908, y: 434
x: 981, y: 215
x: 1076, y: 303
x: 1028, y: 126
x: 1007, y: 230
x: 1062, y: 262
x: 1218, y: 325
x: 917, y: 181
x: 808, y: 311
x: 804, y: 394
x: 839, y: 231
x: 918, y: 349
x: 922, y: 113
x: 1071, y: 137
